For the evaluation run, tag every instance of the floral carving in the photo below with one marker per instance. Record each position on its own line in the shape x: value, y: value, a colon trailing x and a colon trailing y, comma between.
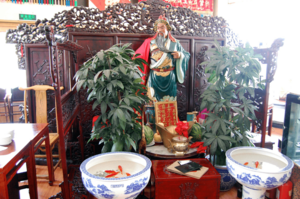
x: 187, y: 190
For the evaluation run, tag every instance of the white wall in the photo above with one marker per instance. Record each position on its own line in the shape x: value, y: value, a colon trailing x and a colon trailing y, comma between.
x: 10, y: 75
x: 11, y: 11
x: 257, y: 21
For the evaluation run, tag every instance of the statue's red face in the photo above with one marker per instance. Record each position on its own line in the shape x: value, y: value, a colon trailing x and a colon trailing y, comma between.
x: 162, y: 29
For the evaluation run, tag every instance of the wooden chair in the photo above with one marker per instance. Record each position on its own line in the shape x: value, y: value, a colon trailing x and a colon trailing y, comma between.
x: 41, y: 117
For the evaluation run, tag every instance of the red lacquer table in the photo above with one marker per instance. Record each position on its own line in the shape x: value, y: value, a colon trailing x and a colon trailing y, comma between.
x: 168, y: 185
x: 27, y: 139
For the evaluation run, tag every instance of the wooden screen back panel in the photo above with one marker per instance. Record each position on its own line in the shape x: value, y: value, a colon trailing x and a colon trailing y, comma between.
x: 38, y: 73
x: 183, y: 89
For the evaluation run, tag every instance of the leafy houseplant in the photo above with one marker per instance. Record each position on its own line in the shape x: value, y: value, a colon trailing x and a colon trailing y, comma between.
x: 233, y: 75
x: 113, y: 81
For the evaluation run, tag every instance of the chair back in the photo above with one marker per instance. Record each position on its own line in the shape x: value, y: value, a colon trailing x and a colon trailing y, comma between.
x: 16, y: 95
x: 40, y: 100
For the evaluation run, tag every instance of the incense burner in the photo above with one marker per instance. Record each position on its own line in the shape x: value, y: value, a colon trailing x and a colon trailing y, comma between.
x: 179, y: 145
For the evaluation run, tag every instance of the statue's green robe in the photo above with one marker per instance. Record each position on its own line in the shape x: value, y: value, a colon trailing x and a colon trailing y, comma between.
x: 164, y: 71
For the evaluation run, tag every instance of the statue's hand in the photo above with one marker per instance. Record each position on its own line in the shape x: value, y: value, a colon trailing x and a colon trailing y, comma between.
x: 176, y: 55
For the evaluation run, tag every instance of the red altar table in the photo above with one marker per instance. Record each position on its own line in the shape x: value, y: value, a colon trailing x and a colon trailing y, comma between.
x: 167, y: 185
x: 27, y: 139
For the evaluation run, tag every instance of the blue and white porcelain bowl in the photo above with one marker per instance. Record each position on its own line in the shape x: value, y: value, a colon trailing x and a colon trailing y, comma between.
x: 128, y: 187
x: 274, y: 171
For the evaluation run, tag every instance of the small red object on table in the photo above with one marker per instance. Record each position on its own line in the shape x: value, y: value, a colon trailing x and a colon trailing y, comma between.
x: 168, y: 185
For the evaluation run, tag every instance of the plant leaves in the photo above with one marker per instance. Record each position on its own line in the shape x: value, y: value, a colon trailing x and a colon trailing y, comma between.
x: 221, y: 144
x: 103, y: 108
x: 213, y: 147
x: 121, y: 115
x: 132, y: 143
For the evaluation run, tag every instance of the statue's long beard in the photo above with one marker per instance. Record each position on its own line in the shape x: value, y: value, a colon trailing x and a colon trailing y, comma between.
x: 160, y: 42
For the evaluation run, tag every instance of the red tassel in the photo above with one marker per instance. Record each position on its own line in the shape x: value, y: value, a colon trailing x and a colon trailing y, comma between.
x: 22, y: 52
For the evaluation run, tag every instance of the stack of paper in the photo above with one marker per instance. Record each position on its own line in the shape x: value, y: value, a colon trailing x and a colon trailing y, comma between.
x: 194, y: 174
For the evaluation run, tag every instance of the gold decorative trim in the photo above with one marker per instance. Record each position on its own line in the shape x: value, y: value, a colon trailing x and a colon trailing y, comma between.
x: 12, y: 24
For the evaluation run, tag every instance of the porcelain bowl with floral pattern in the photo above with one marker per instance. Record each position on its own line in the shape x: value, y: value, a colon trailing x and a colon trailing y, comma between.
x: 258, y: 169
x: 128, y: 187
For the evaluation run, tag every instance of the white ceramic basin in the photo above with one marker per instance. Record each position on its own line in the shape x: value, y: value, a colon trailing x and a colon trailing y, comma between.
x: 274, y: 171
x: 116, y: 188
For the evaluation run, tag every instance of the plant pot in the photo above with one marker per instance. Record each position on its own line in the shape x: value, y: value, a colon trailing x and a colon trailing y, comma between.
x: 227, y: 181
x: 137, y: 165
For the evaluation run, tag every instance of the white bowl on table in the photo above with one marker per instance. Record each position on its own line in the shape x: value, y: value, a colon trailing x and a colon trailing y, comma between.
x: 128, y: 187
x: 5, y: 138
x: 275, y: 170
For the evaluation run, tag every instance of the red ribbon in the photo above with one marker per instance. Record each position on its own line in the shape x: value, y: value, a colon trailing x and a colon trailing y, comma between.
x: 201, y: 148
x: 182, y: 128
x: 22, y: 52
x: 69, y: 26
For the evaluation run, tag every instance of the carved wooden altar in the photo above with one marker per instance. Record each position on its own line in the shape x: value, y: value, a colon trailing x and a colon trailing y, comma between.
x: 121, y: 23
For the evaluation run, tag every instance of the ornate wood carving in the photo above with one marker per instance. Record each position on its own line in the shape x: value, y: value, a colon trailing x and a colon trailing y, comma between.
x: 122, y: 18
x: 187, y: 190
x: 200, y: 77
x: 51, y: 117
x: 42, y: 70
x: 69, y: 107
x: 21, y: 57
x: 181, y: 101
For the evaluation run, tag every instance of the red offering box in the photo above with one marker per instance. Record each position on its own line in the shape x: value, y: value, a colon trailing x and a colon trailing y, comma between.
x: 169, y: 185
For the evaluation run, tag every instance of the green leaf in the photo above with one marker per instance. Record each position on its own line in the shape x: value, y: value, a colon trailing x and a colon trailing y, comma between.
x: 123, y: 69
x: 203, y: 105
x: 212, y: 76
x: 215, y: 127
x: 136, y: 99
x: 209, y: 141
x: 126, y: 46
x: 121, y: 115
x: 137, y: 81
x: 127, y: 107
x: 132, y: 143
x: 109, y: 87
x: 96, y: 76
x: 120, y: 84
x: 122, y: 124
x: 79, y: 84
x: 210, y: 135
x: 100, y: 55
x: 223, y: 137
x: 95, y: 104
x: 221, y: 144
x: 213, y: 147
x: 119, y: 58
x: 106, y: 73
x: 127, y: 101
x: 223, y: 125
x: 103, y: 108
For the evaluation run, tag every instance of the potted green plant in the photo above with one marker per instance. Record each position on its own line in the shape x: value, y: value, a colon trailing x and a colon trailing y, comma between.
x: 233, y: 73
x: 113, y: 82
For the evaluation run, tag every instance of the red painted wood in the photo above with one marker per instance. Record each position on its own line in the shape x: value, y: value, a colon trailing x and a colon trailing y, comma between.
x: 21, y: 148
x: 169, y: 185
